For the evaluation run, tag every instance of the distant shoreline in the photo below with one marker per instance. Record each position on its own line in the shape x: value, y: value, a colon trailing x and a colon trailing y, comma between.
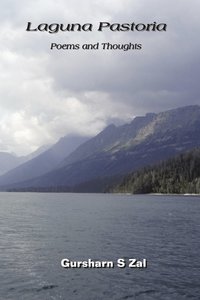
x: 123, y: 194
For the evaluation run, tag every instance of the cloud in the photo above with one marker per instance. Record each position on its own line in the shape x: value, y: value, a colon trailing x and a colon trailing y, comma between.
x: 45, y: 94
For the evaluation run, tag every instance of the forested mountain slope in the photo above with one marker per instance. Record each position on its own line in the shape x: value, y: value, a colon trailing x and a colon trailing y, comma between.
x: 178, y: 175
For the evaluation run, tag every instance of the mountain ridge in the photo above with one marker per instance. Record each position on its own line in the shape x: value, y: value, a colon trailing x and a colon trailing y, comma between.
x: 119, y: 150
x: 9, y: 161
x: 177, y: 175
x: 44, y: 162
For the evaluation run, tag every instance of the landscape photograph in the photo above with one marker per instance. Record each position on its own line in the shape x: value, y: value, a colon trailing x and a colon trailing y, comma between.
x: 99, y: 150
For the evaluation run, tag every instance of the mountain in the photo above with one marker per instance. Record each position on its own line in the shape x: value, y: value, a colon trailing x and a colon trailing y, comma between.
x: 37, y: 152
x: 44, y: 162
x: 119, y: 150
x: 178, y: 175
x: 10, y: 161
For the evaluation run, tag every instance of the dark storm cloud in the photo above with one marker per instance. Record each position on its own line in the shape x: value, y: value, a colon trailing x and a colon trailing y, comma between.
x: 48, y: 93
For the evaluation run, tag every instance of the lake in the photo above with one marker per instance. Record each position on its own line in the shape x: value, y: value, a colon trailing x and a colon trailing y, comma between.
x: 38, y: 230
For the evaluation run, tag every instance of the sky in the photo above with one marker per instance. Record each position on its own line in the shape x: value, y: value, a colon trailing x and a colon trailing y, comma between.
x: 46, y: 94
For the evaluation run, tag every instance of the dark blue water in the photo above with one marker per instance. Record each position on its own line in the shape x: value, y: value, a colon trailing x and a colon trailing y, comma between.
x: 38, y: 230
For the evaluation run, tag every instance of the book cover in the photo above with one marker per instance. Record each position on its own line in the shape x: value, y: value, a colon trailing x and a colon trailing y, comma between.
x: 99, y: 149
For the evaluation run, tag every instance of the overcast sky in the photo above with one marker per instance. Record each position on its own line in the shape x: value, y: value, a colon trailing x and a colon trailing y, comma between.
x: 47, y: 94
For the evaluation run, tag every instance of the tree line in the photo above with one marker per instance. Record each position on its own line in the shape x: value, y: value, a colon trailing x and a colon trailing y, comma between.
x: 178, y: 175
